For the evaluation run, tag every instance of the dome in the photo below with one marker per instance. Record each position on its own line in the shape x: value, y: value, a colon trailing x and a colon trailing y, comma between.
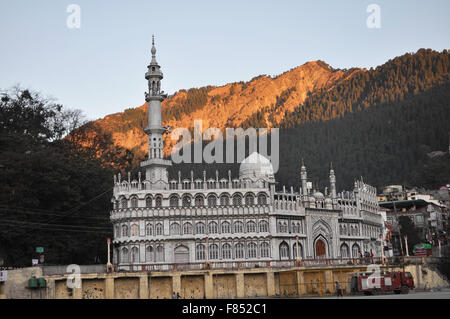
x: 318, y: 195
x: 256, y: 167
x: 312, y: 200
x: 328, y: 201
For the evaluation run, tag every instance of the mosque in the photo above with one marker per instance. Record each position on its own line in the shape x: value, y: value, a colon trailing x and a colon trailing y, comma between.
x: 159, y: 221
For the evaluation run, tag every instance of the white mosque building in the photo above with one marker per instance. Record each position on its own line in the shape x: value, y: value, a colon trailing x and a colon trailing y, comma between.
x: 159, y: 222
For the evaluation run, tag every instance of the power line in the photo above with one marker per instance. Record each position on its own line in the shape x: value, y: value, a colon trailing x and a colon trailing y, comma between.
x: 70, y: 211
x: 36, y: 211
x: 65, y: 230
x: 60, y: 225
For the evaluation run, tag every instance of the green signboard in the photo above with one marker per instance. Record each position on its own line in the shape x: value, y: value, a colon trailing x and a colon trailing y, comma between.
x: 39, y: 249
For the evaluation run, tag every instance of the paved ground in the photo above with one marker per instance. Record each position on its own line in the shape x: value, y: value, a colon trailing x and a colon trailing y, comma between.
x: 442, y: 294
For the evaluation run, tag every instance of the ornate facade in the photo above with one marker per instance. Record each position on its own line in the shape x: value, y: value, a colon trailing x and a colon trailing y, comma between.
x: 224, y: 219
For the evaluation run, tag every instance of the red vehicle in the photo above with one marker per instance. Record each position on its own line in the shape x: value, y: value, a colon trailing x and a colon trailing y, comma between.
x: 384, y: 282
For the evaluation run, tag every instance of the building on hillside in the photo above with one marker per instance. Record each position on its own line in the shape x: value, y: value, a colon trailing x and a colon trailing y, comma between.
x: 430, y: 218
x: 159, y: 220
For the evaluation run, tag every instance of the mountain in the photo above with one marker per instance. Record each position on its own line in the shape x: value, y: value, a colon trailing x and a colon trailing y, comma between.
x: 320, y: 110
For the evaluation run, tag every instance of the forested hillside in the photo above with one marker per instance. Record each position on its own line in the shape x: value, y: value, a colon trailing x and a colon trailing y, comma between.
x: 378, y: 123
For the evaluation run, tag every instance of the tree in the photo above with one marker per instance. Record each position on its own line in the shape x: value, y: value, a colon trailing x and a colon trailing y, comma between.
x: 408, y: 229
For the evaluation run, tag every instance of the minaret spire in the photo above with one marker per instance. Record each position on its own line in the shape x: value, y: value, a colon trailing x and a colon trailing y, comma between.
x: 156, y: 166
x: 303, y: 178
x: 332, y: 182
x: 153, y: 50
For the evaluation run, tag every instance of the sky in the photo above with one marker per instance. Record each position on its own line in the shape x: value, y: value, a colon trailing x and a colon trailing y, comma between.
x: 100, y: 66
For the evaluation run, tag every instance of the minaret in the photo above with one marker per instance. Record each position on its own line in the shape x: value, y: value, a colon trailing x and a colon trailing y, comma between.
x: 303, y: 178
x: 156, y: 166
x: 332, y: 182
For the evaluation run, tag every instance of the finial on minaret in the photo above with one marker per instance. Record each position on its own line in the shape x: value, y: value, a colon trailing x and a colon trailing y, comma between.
x: 331, y: 165
x: 153, y: 49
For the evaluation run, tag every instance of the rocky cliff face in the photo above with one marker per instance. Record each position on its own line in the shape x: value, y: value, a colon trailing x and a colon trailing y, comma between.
x: 226, y: 106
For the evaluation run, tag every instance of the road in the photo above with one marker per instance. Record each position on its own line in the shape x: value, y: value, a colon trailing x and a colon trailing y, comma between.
x: 442, y: 294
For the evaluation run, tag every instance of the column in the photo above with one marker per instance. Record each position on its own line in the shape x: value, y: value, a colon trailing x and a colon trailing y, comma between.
x: 109, y: 287
x: 240, y: 291
x: 176, y: 284
x: 209, y: 291
x: 301, y: 288
x: 143, y: 287
x: 270, y: 275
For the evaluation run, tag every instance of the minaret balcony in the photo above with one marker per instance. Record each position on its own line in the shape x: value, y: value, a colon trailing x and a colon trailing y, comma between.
x: 156, y: 162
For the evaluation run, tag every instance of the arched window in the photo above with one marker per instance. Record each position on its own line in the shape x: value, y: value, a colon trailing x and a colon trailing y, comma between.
x: 263, y: 226
x: 212, y: 201
x: 186, y: 201
x: 117, y: 231
x: 340, y: 230
x: 187, y: 228
x: 124, y: 230
x: 262, y: 199
x: 345, y: 252
x: 148, y: 201
x: 159, y: 229
x: 124, y: 202
x: 212, y: 228
x: 224, y: 200
x: 134, y: 202
x: 237, y: 200
x: 199, y: 228
x: 134, y: 255
x: 174, y: 201
x: 226, y: 251
x: 251, y: 227
x: 239, y: 247
x: 175, y: 229
x: 149, y: 229
x: 213, y: 252
x: 284, y: 250
x: 226, y: 228
x: 160, y: 253
x: 265, y: 250
x: 158, y: 201
x: 200, y: 252
x: 124, y: 255
x: 238, y: 227
x: 355, y: 251
x: 294, y: 227
x: 135, y: 230
x: 149, y: 253
x: 249, y: 199
x: 199, y: 201
x: 283, y: 226
x: 251, y: 252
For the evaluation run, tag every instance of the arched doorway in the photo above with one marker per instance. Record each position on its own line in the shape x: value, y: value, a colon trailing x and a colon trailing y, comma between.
x: 181, y: 254
x: 321, y: 248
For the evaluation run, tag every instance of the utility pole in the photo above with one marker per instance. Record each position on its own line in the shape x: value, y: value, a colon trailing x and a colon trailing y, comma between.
x: 109, y: 266
x: 398, y: 227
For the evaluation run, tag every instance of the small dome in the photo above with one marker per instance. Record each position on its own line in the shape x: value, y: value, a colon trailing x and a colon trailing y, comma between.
x: 318, y: 195
x: 312, y: 199
x: 256, y: 167
x: 328, y: 200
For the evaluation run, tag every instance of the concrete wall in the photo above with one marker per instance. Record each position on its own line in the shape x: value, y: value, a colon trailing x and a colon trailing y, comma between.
x: 203, y: 284
x: 160, y: 287
x: 126, y: 288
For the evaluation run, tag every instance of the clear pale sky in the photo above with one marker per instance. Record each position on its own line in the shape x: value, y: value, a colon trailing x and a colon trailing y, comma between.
x: 100, y: 67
